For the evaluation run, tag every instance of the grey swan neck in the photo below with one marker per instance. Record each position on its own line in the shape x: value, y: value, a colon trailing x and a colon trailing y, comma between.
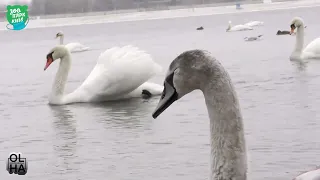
x: 299, y: 39
x: 228, y: 148
x: 58, y: 87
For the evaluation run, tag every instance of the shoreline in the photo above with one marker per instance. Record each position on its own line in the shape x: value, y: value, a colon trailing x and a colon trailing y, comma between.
x: 111, y: 17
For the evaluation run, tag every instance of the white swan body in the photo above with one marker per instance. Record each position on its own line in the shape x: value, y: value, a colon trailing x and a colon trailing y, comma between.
x: 120, y: 73
x: 197, y: 69
x: 311, y: 51
x: 239, y: 27
x: 76, y: 47
x: 254, y: 23
x: 310, y: 175
x: 72, y: 47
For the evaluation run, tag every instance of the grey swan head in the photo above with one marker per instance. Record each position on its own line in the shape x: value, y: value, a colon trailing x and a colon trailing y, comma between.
x: 199, y: 70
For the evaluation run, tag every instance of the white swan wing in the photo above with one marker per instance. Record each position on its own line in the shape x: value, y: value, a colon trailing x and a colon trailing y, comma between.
x: 254, y: 23
x: 310, y: 175
x: 119, y: 71
x: 313, y: 47
x: 76, y: 47
x: 241, y: 27
x: 153, y: 88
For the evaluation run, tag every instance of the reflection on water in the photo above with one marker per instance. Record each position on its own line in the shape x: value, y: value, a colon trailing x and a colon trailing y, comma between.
x: 65, y: 142
x: 300, y: 64
x: 133, y: 113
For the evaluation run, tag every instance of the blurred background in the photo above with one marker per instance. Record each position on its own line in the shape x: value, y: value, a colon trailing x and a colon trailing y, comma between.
x: 54, y: 7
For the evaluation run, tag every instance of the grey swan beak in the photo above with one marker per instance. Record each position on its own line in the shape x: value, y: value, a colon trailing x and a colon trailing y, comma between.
x: 169, y: 95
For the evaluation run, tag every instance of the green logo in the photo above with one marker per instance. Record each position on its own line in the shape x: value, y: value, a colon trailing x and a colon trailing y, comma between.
x: 17, y: 16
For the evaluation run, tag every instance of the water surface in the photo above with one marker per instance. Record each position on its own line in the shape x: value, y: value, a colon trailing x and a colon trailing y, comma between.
x: 121, y: 141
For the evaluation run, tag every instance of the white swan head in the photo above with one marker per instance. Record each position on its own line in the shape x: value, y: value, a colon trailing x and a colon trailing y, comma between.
x: 59, y: 34
x: 55, y: 53
x: 186, y: 73
x: 296, y: 23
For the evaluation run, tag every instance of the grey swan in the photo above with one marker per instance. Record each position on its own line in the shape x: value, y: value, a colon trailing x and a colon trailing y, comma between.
x: 199, y: 70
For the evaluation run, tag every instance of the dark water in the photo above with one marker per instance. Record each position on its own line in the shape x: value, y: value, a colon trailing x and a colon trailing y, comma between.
x: 120, y: 140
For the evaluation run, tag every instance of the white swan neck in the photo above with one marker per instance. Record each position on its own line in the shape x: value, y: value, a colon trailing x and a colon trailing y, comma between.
x: 61, y: 39
x: 299, y: 39
x: 58, y: 86
x: 228, y: 149
x: 229, y: 26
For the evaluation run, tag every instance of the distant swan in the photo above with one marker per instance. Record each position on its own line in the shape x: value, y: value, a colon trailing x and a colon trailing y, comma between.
x: 311, y: 51
x: 198, y: 70
x: 120, y: 73
x: 73, y: 47
x: 254, y: 23
x: 239, y: 27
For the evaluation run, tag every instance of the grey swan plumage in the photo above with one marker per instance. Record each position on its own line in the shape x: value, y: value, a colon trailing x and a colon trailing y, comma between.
x: 200, y: 28
x: 283, y: 32
x: 199, y: 70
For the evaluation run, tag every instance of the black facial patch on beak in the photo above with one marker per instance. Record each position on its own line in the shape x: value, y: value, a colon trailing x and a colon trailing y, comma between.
x: 292, y: 26
x: 49, y: 56
x: 49, y: 60
x: 169, y: 95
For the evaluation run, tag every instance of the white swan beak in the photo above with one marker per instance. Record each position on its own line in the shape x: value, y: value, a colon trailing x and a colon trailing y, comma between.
x: 49, y: 61
x: 169, y: 95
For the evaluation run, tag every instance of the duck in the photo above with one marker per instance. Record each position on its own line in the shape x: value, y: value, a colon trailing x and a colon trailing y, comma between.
x: 200, y: 28
x: 279, y: 32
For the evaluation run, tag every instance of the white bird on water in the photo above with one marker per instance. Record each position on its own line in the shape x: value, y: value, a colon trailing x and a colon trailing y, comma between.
x: 239, y: 27
x: 199, y: 70
x: 311, y: 51
x: 253, y: 38
x: 120, y: 73
x: 73, y: 47
x: 254, y: 23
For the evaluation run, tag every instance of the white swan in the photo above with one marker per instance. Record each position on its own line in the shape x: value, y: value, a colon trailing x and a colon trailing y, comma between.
x: 73, y: 47
x: 121, y: 72
x: 254, y: 23
x: 239, y: 27
x: 311, y: 51
x: 310, y: 175
x: 198, y: 70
